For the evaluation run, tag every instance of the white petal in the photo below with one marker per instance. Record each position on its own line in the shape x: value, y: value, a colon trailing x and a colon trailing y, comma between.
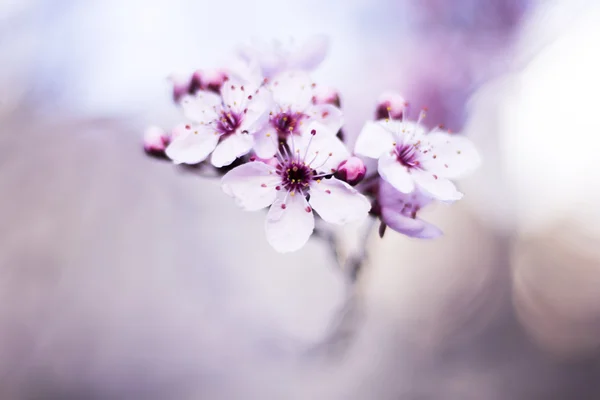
x: 328, y: 116
x: 233, y: 95
x: 255, y: 117
x: 395, y: 173
x: 324, y: 154
x: 411, y: 227
x: 337, y: 202
x: 455, y: 155
x: 311, y: 53
x: 292, y: 90
x: 374, y: 140
x: 389, y: 196
x: 252, y: 185
x: 200, y: 108
x: 231, y: 148
x: 247, y: 71
x: 264, y: 146
x: 438, y: 187
x: 289, y: 229
x: 189, y: 147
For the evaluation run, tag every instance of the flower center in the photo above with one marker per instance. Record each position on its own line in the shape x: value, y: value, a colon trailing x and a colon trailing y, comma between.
x: 287, y: 123
x: 407, y: 155
x: 295, y: 176
x: 228, y: 123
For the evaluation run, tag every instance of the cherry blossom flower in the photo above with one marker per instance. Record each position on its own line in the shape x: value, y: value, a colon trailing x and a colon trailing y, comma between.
x: 352, y: 170
x: 277, y: 57
x: 293, y: 112
x: 301, y: 180
x: 408, y: 157
x: 399, y: 211
x: 222, y: 125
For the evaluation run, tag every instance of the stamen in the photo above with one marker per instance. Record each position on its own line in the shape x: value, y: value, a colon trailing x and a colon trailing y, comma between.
x: 312, y: 134
x: 324, y: 162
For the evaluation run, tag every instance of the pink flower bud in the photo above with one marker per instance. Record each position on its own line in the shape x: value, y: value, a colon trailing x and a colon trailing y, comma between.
x: 352, y: 170
x: 390, y: 105
x: 156, y: 140
x: 181, y: 86
x: 326, y: 95
x: 210, y: 80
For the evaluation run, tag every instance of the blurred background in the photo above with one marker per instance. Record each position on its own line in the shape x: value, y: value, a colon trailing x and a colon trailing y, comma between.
x: 123, y: 277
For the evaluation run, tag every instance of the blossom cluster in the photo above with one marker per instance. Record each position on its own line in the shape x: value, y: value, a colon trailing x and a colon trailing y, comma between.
x: 276, y: 138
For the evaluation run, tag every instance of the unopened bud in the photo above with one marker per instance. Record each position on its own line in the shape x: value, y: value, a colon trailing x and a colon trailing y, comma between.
x: 326, y: 95
x: 390, y: 105
x: 352, y: 170
x: 156, y: 140
x: 181, y: 86
x: 210, y: 80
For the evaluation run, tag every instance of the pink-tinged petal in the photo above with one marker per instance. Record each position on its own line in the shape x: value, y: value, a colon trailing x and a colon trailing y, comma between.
x: 292, y: 90
x: 416, y: 228
x: 273, y: 161
x: 200, y: 107
x: 264, y: 146
x: 389, y: 196
x: 231, y: 148
x: 252, y: 185
x: 452, y: 156
x: 327, y: 115
x: 337, y: 202
x: 436, y: 186
x: 395, y: 173
x: 192, y: 145
x: 310, y: 54
x: 181, y: 130
x: 323, y: 153
x: 326, y: 95
x: 374, y: 140
x: 290, y: 222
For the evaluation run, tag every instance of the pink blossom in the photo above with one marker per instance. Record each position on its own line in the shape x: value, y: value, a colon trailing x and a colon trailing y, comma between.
x: 222, y: 125
x: 409, y: 157
x: 293, y: 113
x: 301, y: 180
